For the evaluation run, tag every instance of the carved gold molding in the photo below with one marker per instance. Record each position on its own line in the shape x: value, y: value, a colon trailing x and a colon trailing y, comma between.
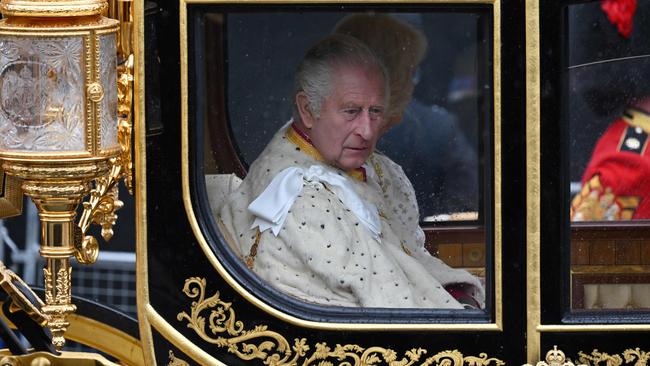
x: 225, y: 331
x: 533, y: 179
x: 597, y: 358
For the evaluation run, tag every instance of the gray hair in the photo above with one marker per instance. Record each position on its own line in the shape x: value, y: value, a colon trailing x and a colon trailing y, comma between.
x: 314, y: 74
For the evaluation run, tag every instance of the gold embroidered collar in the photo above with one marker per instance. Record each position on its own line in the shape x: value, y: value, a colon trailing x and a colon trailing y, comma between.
x: 303, y: 142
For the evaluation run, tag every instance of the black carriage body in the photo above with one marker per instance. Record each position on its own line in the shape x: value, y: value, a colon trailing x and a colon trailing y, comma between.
x: 199, y: 304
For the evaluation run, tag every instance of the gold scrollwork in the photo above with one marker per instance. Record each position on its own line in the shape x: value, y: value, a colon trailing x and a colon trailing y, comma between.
x: 100, y: 209
x: 597, y: 358
x: 86, y: 250
x: 225, y: 331
x: 641, y: 357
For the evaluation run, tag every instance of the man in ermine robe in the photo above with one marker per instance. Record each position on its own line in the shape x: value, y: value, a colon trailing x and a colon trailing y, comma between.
x: 321, y: 216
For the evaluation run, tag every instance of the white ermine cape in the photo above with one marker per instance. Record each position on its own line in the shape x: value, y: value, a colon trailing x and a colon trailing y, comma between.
x: 327, y: 253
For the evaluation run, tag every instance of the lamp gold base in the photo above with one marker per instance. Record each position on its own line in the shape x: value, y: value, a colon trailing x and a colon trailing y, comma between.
x: 58, y: 169
x: 57, y: 188
x: 58, y: 322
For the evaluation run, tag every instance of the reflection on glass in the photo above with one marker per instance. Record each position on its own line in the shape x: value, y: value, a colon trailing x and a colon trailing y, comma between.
x: 608, y: 111
x: 439, y: 142
x: 322, y: 215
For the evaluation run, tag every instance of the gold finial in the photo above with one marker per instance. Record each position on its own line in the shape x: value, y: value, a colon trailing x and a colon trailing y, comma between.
x: 555, y: 357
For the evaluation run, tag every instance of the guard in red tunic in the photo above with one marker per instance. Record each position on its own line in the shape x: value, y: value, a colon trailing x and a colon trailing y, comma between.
x: 616, y: 183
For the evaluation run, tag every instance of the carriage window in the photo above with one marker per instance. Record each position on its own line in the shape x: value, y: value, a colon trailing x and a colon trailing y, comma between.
x: 608, y: 114
x: 371, y: 168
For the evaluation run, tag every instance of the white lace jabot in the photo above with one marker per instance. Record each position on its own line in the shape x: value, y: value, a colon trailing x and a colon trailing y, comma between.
x: 270, y: 208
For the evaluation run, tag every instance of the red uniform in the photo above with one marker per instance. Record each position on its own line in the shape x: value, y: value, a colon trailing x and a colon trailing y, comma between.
x: 616, y: 183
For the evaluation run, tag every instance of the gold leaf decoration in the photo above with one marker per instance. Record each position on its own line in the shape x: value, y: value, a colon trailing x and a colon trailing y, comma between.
x: 103, y: 202
x: 597, y: 358
x: 481, y: 360
x: 215, y: 321
x: 449, y: 358
x: 641, y: 356
x: 63, y: 285
x: 49, y: 286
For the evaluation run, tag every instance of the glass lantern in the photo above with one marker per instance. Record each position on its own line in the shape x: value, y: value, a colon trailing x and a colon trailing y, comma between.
x: 58, y: 123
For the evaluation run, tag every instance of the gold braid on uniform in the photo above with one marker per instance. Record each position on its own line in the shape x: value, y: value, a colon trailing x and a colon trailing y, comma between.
x: 598, y: 203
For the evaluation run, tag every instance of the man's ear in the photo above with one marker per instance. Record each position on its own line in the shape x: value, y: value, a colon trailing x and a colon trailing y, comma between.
x: 304, y: 109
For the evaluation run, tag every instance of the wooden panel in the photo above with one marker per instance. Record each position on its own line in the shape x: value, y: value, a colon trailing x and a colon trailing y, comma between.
x: 633, y: 229
x: 580, y: 253
x: 603, y: 252
x: 452, y: 254
x: 628, y: 252
x: 462, y: 234
x: 474, y: 255
x: 645, y: 252
x: 454, y: 234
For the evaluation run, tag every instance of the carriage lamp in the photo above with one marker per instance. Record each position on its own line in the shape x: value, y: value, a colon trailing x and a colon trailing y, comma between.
x: 60, y: 132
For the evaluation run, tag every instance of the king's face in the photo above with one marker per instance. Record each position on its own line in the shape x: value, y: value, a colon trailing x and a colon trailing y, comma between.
x: 347, y: 130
